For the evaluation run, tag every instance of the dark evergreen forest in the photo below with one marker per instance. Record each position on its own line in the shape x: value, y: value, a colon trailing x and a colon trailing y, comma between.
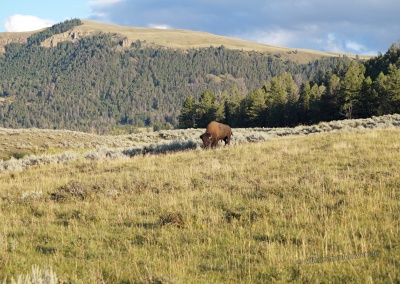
x: 95, y: 85
x: 350, y: 89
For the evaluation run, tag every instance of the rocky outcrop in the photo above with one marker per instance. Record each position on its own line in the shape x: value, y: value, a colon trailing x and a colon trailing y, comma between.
x: 125, y: 42
x: 71, y: 35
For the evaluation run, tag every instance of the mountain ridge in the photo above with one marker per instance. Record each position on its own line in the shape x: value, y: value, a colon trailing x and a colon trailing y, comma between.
x: 174, y: 39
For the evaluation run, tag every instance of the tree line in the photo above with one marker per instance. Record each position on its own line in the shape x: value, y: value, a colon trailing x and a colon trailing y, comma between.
x: 95, y: 85
x: 353, y: 90
x: 38, y: 37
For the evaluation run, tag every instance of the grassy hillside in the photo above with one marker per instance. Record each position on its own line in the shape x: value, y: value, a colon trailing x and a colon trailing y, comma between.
x: 184, y: 39
x: 22, y: 148
x: 316, y: 208
x: 175, y: 39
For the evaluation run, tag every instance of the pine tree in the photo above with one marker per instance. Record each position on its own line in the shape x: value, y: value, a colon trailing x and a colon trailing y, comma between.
x: 303, y: 104
x: 292, y: 96
x: 351, y: 87
x: 380, y: 87
x: 255, y: 108
x: 329, y: 102
x: 367, y: 101
x: 276, y: 101
x: 187, y: 118
x: 393, y: 88
x: 208, y: 109
x: 232, y: 105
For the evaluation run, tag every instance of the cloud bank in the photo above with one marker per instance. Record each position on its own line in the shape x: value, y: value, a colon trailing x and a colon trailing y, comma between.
x: 358, y: 26
x: 21, y: 23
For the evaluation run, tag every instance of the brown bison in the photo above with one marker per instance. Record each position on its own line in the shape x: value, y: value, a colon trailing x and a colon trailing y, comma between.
x: 216, y: 131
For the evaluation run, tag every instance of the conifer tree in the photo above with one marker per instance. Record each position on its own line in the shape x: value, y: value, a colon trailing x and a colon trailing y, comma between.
x: 187, y: 118
x: 381, y: 89
x: 350, y: 87
x: 208, y: 109
x: 304, y: 103
x: 393, y: 89
x: 367, y: 101
x: 232, y: 105
x: 255, y: 108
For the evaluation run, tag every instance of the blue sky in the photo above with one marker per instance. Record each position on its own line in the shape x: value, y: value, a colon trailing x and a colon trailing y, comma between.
x: 356, y: 26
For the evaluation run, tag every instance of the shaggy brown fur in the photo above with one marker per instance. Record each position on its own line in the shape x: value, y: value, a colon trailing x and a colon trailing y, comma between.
x: 216, y: 131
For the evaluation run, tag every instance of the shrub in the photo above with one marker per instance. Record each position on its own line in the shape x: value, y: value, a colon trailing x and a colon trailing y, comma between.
x: 72, y: 189
x: 162, y: 148
x: 172, y: 219
x: 18, y: 155
x: 36, y: 276
x: 104, y: 153
x: 32, y: 196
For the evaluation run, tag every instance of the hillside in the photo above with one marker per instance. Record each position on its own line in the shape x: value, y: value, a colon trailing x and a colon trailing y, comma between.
x: 305, y: 209
x: 100, y: 83
x: 175, y: 39
x: 184, y: 39
x: 86, y: 76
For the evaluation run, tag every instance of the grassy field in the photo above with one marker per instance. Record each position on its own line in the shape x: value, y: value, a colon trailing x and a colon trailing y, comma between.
x: 317, y: 208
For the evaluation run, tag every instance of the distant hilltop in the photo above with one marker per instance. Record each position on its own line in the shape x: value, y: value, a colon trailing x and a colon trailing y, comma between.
x: 171, y: 38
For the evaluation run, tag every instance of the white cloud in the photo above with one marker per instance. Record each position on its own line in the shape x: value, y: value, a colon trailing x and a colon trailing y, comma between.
x: 355, y: 46
x: 23, y: 23
x: 358, y: 48
x: 276, y: 37
x: 331, y: 44
x: 101, y: 16
x: 156, y: 26
x: 103, y: 3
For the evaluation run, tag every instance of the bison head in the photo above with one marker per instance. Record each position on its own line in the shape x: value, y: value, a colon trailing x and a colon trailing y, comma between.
x: 207, y: 139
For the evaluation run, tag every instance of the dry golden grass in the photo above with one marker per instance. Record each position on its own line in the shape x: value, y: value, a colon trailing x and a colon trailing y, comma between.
x: 185, y: 39
x: 178, y: 39
x: 251, y: 213
x: 34, y: 141
x: 21, y: 142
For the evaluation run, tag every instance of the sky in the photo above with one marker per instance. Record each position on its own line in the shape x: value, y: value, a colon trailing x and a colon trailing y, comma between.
x: 364, y: 27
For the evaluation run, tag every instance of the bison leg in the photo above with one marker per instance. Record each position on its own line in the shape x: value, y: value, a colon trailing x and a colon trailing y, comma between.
x: 214, y: 143
x: 227, y: 140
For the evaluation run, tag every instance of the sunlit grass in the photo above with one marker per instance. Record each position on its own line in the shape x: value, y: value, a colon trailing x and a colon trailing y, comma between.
x: 173, y: 38
x: 245, y: 213
x: 184, y: 39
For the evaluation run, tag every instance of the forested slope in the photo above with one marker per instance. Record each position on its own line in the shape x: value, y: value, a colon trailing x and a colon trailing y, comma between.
x: 94, y: 84
x: 346, y: 91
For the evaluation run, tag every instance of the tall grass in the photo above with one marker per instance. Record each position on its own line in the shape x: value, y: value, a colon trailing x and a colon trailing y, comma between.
x: 249, y: 213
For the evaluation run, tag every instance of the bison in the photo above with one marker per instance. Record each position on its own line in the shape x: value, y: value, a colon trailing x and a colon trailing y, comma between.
x: 216, y: 131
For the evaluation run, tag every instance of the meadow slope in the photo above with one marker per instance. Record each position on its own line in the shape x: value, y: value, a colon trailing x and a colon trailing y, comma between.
x: 22, y: 148
x: 306, y: 209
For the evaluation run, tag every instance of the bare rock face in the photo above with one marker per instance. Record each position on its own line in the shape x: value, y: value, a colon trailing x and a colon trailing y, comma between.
x: 71, y: 35
x: 125, y: 42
